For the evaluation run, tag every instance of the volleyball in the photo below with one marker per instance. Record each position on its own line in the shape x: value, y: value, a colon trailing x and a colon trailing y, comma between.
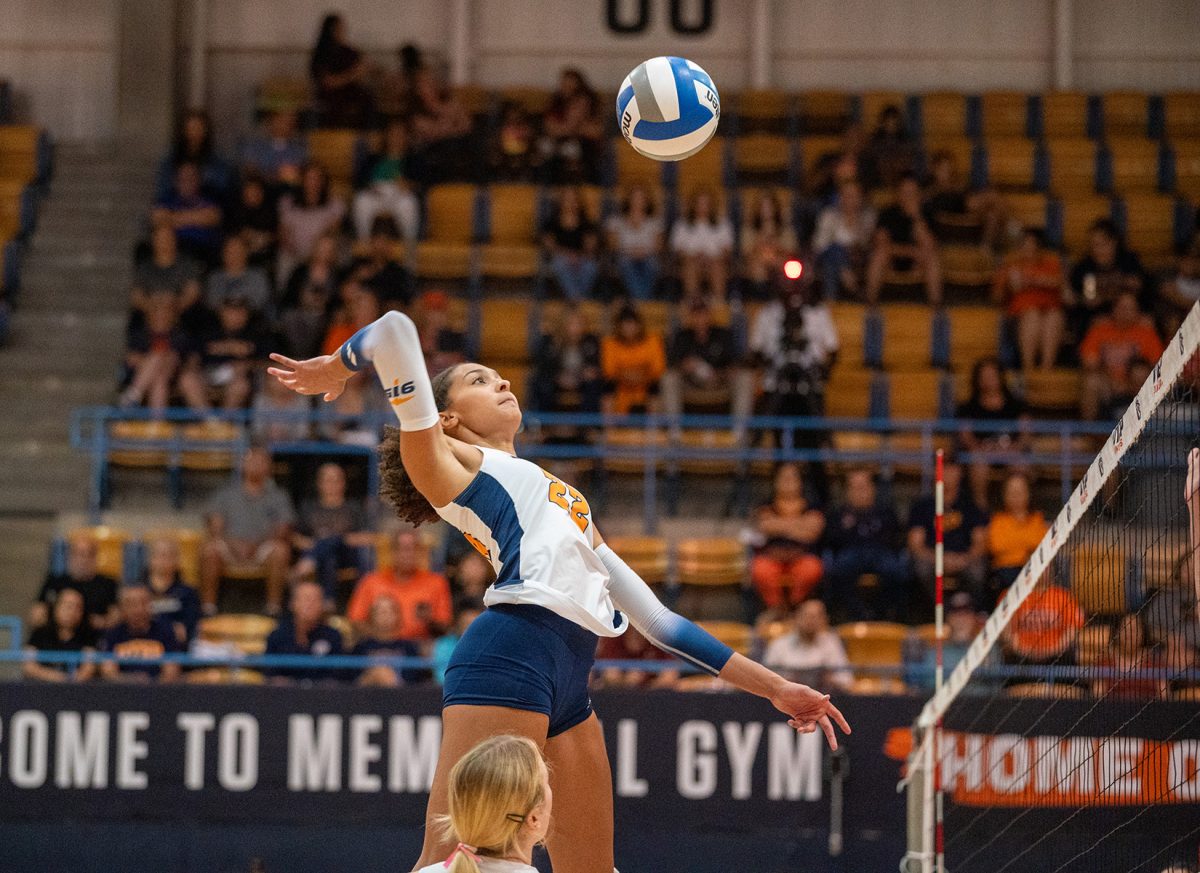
x: 668, y: 108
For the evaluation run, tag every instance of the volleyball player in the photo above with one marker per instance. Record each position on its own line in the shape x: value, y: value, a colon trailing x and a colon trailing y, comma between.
x: 522, y: 668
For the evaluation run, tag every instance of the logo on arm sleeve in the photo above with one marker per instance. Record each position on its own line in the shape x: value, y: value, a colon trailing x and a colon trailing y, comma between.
x: 398, y: 393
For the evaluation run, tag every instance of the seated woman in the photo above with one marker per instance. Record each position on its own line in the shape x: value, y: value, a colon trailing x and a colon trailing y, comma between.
x: 512, y: 151
x: 990, y: 401
x: 785, y: 533
x: 952, y: 208
x: 193, y: 215
x: 339, y: 73
x: 172, y: 599
x: 254, y: 218
x: 572, y: 240
x: 67, y: 631
x: 383, y: 640
x: 768, y: 240
x: 307, y: 216
x: 567, y: 367
x: 572, y: 132
x: 635, y: 238
x: 1030, y: 285
x: 843, y: 240
x: 387, y: 190
x: 1130, y: 652
x: 194, y: 144
x: 702, y: 241
x: 440, y: 131
x: 154, y: 350
x: 633, y: 361
x: 1012, y: 536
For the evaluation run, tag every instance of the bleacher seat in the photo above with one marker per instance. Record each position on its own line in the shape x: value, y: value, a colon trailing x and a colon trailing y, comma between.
x: 764, y: 111
x: 1186, y: 163
x: 967, y: 266
x: 824, y: 111
x: 633, y: 169
x: 512, y: 252
x: 334, y: 149
x: 1028, y: 207
x: 1011, y: 162
x: 1053, y: 391
x: 247, y: 632
x: 1073, y: 166
x: 724, y: 440
x: 1125, y: 114
x: 850, y: 321
x: 449, y: 221
x: 140, y: 431
x: 960, y: 148
x: 1149, y: 226
x: 1004, y: 114
x: 974, y: 334
x: 647, y: 556
x: 1053, y: 690
x: 907, y: 330
x: 853, y: 392
x: 1135, y: 164
x: 710, y: 572
x: 762, y: 158
x: 635, y: 442
x: 110, y: 548
x: 533, y: 100
x: 505, y: 336
x: 871, y: 103
x: 873, y: 643
x: 188, y: 541
x: 943, y: 115
x: 20, y: 146
x: 1064, y: 114
x: 919, y: 394
x: 814, y: 148
x: 1181, y: 115
x: 704, y: 170
x: 224, y: 435
x: 476, y: 99
x: 735, y: 634
x: 1078, y: 213
x: 283, y: 94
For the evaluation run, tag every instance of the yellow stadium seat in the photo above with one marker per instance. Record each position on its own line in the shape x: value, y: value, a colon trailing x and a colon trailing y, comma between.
x: 762, y: 156
x: 1181, y: 113
x: 959, y: 148
x: 974, y: 334
x: 1126, y: 114
x: 333, y: 149
x: 710, y: 561
x: 967, y: 266
x: 148, y: 431
x: 656, y: 314
x: 1046, y: 690
x: 764, y: 110
x: 873, y: 643
x: 722, y: 440
x: 704, y: 170
x: 814, y: 148
x: 874, y: 102
x: 627, y: 446
x: 532, y: 100
x: 247, y: 632
x: 505, y: 336
x: 648, y: 556
x: 927, y: 633
x: 445, y: 252
x: 1098, y: 578
x: 1064, y: 114
x: 1072, y: 166
x: 1027, y: 207
x: 915, y: 394
x: 19, y: 151
x: 1134, y: 164
x: 848, y: 392
x: 110, y: 548
x: 1150, y: 227
x: 634, y: 169
x: 188, y: 541
x: 1078, y: 215
x: 1187, y: 167
x: 284, y: 94
x: 1011, y: 162
x: 474, y: 98
x: 850, y: 321
x: 1053, y: 390
x: 512, y: 252
x: 907, y: 336
x: 214, y: 459
x: 824, y: 111
x: 943, y: 115
x: 1005, y: 113
x: 735, y: 634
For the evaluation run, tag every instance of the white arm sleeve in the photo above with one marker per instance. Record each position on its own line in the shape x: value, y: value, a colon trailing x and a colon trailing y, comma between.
x: 392, y: 345
x: 665, y: 629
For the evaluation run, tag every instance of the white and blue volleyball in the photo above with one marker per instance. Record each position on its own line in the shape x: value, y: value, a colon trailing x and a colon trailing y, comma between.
x: 668, y: 108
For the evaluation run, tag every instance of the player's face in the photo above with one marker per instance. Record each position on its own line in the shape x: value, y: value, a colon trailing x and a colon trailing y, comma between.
x: 482, y: 401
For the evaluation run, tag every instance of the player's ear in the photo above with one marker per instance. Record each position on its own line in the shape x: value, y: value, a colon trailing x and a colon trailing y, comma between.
x: 449, y: 420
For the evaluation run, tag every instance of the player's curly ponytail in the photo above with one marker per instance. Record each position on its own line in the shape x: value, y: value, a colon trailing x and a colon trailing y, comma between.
x: 394, y: 484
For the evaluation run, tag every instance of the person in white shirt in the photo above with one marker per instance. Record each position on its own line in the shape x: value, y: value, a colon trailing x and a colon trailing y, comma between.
x: 810, y: 647
x: 703, y: 241
x: 842, y: 241
x: 500, y: 803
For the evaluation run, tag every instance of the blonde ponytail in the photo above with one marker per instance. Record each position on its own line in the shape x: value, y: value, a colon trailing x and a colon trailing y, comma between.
x: 491, y: 790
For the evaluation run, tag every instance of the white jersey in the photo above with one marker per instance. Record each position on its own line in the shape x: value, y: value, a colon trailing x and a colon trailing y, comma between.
x: 537, y: 533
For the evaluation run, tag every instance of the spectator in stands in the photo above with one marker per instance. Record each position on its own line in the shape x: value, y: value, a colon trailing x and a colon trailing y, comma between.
x: 1012, y: 535
x: 1108, y: 270
x: 380, y: 270
x: 890, y: 154
x: 306, y: 217
x: 865, y: 538
x: 964, y: 533
x: 1129, y: 652
x: 632, y: 646
x: 254, y: 218
x: 903, y: 242
x: 443, y: 646
x: 1043, y: 630
x: 635, y: 236
x: 842, y: 241
x: 786, y: 533
x: 339, y: 73
x: 422, y: 595
x: 567, y: 366
x: 513, y: 147
x: 331, y: 530
x: 632, y: 361
x: 1112, y: 347
x: 990, y: 402
x: 810, y: 651
x: 278, y: 153
x: 388, y: 190
x: 279, y: 414
x: 394, y: 91
x: 962, y: 624
x: 572, y: 132
x: 1030, y: 285
x: 767, y: 240
x: 221, y: 367
x: 702, y: 241
x: 442, y: 344
x: 167, y: 272
x: 153, y: 352
x: 472, y: 577
x: 572, y: 240
x: 99, y: 591
x: 194, y: 144
x: 359, y: 307
x: 66, y: 631
x: 171, y: 598
x: 831, y: 170
x: 951, y: 207
x: 304, y: 632
x: 248, y: 523
x: 703, y: 374
x: 440, y: 132
x: 139, y: 634
x: 309, y: 292
x: 195, y: 218
x: 236, y: 279
x: 1180, y: 291
x: 381, y: 639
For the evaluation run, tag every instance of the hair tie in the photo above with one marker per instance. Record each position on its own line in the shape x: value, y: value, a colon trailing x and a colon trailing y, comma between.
x: 469, y: 851
x: 515, y: 817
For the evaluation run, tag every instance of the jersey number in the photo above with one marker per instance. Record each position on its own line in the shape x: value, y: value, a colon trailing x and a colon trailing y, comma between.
x: 562, y: 494
x: 479, y: 546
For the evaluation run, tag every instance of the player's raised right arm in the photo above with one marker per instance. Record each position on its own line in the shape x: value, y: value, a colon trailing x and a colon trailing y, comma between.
x: 391, y: 344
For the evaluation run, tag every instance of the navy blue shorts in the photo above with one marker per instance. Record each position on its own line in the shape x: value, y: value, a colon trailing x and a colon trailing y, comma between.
x: 524, y: 657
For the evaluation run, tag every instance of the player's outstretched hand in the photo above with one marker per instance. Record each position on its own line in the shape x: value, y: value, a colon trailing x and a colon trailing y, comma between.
x: 808, y: 709
x: 325, y: 375
x: 1191, y: 491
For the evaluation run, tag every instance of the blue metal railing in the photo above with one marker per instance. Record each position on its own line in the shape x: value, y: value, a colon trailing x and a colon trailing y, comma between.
x: 800, y: 439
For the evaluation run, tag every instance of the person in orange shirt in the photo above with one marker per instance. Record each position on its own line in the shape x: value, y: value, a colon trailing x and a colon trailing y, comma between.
x: 1012, y: 535
x: 1030, y: 284
x: 422, y: 596
x: 360, y: 307
x: 633, y: 361
x: 1110, y: 351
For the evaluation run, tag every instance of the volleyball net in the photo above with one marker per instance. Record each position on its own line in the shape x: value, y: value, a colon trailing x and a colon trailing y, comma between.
x: 1067, y: 738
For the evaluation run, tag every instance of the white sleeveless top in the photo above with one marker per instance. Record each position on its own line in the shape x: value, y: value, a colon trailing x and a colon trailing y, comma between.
x: 537, y: 533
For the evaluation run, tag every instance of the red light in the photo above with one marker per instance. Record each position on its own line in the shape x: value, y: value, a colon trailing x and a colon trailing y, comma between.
x: 792, y: 269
